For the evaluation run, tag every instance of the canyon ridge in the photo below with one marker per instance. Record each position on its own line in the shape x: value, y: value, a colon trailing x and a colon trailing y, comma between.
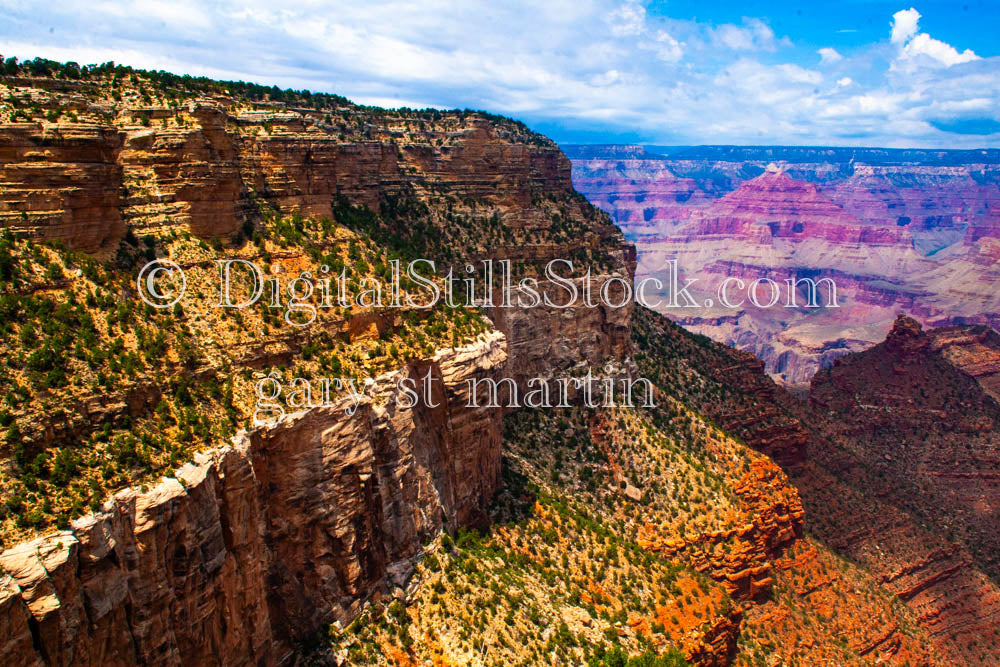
x: 913, y: 231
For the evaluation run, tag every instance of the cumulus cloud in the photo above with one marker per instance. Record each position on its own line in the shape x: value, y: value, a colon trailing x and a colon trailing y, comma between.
x: 601, y: 68
x: 828, y: 56
x: 904, y: 25
x: 753, y: 35
x: 921, y: 46
x: 925, y: 45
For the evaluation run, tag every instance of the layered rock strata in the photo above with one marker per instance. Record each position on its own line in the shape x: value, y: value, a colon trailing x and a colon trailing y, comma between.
x: 911, y: 231
x: 251, y: 549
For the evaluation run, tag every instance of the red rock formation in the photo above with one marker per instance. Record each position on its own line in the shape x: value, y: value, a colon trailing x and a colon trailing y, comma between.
x: 915, y: 463
x: 912, y: 236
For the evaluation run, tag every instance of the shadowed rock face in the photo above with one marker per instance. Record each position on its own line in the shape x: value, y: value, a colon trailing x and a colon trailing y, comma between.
x: 894, y: 457
x: 911, y: 231
x: 910, y: 409
x: 913, y: 422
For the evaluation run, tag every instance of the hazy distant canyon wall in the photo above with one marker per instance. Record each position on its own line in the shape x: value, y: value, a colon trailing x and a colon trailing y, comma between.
x: 898, y: 231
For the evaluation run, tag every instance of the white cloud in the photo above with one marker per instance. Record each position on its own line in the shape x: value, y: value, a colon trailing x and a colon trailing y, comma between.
x: 628, y: 20
x: 904, y: 25
x: 925, y: 45
x: 564, y: 66
x: 921, y: 47
x: 828, y: 56
x: 605, y: 79
x: 754, y: 35
x: 667, y: 48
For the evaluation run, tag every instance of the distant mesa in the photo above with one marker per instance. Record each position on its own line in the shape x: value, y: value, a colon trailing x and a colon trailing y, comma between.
x: 898, y: 230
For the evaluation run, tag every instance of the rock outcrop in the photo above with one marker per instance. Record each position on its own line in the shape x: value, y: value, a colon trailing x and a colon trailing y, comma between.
x: 82, y: 182
x: 896, y: 471
x: 62, y: 183
x: 252, y: 548
x: 907, y: 411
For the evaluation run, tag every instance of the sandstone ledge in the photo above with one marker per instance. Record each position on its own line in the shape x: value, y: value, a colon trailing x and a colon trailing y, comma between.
x: 254, y: 547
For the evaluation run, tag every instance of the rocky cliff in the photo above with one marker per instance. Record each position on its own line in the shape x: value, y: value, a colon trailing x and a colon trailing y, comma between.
x: 922, y: 421
x: 252, y: 548
x: 262, y: 541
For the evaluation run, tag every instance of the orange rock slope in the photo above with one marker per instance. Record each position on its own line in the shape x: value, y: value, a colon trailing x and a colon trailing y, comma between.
x: 898, y: 478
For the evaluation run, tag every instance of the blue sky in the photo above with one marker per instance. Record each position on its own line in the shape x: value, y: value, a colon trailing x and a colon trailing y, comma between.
x: 845, y: 72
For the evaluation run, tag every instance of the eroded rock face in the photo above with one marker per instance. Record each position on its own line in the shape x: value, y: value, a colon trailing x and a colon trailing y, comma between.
x: 62, y: 183
x: 890, y: 474
x: 911, y: 413
x: 186, y: 177
x: 771, y: 523
x: 252, y: 548
x: 82, y: 182
x: 910, y: 231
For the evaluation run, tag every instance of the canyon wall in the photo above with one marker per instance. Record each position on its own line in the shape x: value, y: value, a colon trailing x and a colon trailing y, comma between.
x: 251, y: 549
x: 897, y: 231
x: 907, y: 484
x: 247, y: 552
x: 81, y: 182
x: 807, y: 580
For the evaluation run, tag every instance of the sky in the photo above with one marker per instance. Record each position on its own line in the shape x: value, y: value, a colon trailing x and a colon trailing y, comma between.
x: 680, y: 72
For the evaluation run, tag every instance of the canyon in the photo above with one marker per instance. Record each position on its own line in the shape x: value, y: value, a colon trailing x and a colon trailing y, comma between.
x: 252, y: 548
x: 731, y: 523
x: 896, y: 231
